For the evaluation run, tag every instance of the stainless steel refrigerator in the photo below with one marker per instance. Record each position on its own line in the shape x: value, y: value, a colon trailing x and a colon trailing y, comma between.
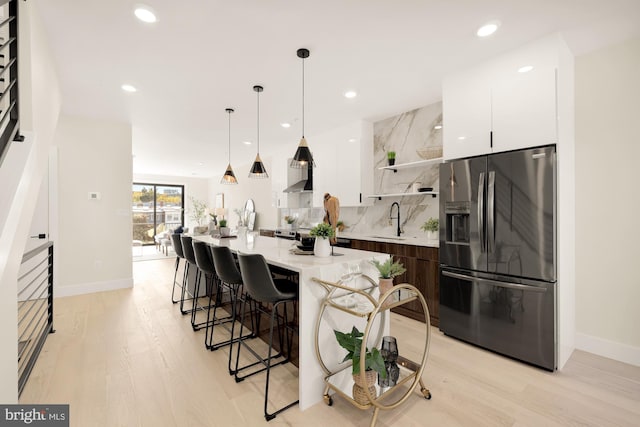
x: 498, y: 253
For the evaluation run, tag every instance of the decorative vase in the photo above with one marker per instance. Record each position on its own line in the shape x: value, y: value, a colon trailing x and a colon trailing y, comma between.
x: 321, y: 247
x: 432, y: 235
x: 384, y: 285
x: 359, y: 393
x: 392, y: 162
x: 389, y: 353
x: 224, y: 231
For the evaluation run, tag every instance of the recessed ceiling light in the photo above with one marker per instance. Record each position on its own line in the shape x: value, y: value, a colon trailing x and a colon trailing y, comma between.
x: 285, y: 125
x: 128, y: 88
x: 246, y: 142
x: 462, y: 138
x: 487, y: 29
x: 352, y: 140
x: 437, y: 127
x: 145, y: 14
x: 525, y: 69
x: 200, y: 164
x: 350, y: 94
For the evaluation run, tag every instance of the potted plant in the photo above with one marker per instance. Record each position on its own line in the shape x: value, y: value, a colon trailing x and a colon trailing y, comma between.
x: 199, y: 215
x: 373, y: 362
x: 224, y: 230
x: 340, y: 226
x: 290, y: 220
x: 387, y: 271
x: 322, y: 232
x: 431, y: 227
x: 391, y: 157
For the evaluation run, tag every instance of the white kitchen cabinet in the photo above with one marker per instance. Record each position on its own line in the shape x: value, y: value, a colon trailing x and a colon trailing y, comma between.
x: 492, y: 107
x: 524, y: 110
x: 278, y: 175
x: 344, y: 164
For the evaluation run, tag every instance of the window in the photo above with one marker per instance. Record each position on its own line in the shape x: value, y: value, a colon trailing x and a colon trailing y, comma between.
x: 156, y: 208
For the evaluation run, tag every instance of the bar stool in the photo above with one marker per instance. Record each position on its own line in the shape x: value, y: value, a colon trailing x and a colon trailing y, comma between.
x: 262, y: 288
x: 177, y: 245
x: 204, y: 262
x: 190, y: 258
x: 229, y: 276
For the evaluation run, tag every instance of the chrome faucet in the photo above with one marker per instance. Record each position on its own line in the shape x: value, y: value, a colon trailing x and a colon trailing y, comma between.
x: 397, y: 217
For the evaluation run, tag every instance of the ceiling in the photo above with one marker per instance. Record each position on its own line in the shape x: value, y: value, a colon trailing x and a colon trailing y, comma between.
x: 204, y: 56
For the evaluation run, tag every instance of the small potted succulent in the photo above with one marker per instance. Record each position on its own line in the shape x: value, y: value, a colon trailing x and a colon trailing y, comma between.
x: 387, y: 271
x: 373, y: 362
x: 431, y: 227
x: 340, y: 226
x: 391, y: 157
x: 224, y: 230
x: 322, y: 232
x: 290, y: 220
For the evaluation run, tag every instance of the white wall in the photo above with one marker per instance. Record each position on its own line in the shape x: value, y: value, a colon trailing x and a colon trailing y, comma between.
x: 40, y: 105
x: 94, y: 245
x: 235, y: 196
x: 608, y: 201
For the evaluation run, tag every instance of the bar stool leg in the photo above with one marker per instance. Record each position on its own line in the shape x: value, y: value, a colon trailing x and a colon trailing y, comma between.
x: 175, y: 282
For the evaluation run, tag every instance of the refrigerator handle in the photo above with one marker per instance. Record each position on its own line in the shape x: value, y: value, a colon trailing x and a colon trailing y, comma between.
x: 491, y: 212
x: 500, y: 284
x: 481, y: 211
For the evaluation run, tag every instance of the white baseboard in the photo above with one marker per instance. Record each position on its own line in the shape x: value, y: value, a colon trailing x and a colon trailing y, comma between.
x: 611, y: 349
x: 89, y: 288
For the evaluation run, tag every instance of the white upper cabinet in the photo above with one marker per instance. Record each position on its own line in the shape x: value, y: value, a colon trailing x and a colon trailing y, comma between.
x: 494, y: 106
x: 524, y: 110
x: 344, y: 164
x: 466, y: 115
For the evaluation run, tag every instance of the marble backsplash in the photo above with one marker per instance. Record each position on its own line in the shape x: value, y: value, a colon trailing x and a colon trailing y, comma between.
x: 413, y: 135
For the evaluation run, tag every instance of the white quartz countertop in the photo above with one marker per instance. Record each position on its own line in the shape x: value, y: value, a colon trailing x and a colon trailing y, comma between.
x: 402, y: 240
x: 278, y: 251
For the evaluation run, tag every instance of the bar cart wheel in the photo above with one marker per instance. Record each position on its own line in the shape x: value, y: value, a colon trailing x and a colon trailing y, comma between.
x: 426, y: 393
x: 328, y: 400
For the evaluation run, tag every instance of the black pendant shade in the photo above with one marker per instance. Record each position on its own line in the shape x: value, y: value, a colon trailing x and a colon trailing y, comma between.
x: 303, y: 156
x: 258, y: 170
x: 229, y: 177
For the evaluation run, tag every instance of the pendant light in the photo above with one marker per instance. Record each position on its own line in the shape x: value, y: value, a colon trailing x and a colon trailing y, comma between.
x: 303, y: 157
x: 229, y: 177
x: 257, y: 169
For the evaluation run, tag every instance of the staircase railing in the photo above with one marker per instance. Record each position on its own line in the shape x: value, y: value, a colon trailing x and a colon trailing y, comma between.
x: 9, y: 101
x: 35, y: 308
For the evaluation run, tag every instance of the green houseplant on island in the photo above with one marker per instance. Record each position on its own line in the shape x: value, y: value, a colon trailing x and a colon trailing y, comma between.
x: 322, y: 232
x: 431, y: 227
x: 387, y: 271
x: 373, y: 363
x: 224, y: 230
x: 198, y: 214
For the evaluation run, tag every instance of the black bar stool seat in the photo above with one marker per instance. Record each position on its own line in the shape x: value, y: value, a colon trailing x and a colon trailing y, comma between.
x: 263, y: 289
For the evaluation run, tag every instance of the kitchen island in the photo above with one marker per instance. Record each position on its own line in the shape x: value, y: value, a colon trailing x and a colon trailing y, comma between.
x: 341, y: 266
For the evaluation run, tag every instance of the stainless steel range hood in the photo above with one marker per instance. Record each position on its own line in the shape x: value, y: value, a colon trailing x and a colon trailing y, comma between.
x: 299, y: 187
x: 304, y: 185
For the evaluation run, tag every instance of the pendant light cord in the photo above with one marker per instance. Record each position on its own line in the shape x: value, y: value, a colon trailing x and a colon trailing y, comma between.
x: 229, y: 136
x: 258, y: 126
x: 303, y: 97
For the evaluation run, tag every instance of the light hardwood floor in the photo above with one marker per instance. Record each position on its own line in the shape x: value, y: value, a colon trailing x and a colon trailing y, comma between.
x: 128, y: 358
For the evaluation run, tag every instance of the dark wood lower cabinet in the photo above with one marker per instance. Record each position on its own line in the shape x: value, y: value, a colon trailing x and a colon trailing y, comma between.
x: 422, y: 272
